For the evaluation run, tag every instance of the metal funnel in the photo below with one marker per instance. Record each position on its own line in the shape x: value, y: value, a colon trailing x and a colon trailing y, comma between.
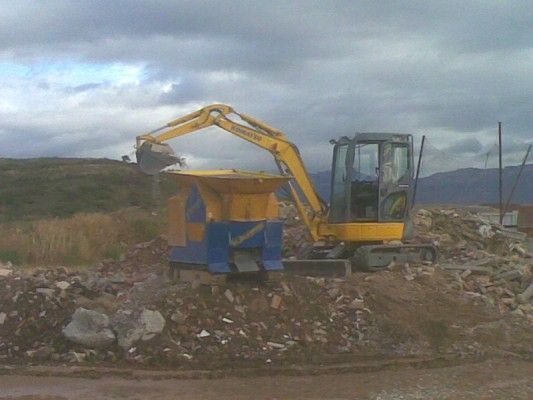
x: 153, y: 157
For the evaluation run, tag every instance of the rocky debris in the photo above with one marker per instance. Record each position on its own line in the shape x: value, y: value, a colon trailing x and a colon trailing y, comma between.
x: 288, y: 213
x: 296, y: 236
x: 89, y: 328
x: 487, y: 261
x: 462, y: 236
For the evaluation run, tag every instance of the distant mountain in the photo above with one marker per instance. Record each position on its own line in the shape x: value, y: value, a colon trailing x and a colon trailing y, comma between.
x: 463, y: 186
x: 476, y: 186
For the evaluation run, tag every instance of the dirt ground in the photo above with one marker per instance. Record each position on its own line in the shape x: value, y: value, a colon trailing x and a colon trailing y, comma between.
x: 496, y: 379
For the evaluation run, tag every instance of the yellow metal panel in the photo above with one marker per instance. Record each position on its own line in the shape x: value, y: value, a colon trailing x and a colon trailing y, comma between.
x: 363, y: 231
x: 272, y: 211
x: 245, y: 207
x: 232, y: 195
x: 212, y: 201
x: 233, y: 181
x: 195, y: 231
x: 176, y: 218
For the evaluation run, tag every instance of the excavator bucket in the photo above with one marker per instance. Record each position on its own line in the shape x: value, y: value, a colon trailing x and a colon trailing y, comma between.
x: 153, y: 157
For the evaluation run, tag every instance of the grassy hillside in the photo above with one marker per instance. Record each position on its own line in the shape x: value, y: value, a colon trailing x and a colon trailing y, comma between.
x: 61, y: 187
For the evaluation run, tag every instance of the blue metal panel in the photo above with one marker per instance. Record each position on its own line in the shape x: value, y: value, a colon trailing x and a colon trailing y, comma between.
x: 214, y: 251
x: 218, y: 249
x: 272, y: 248
x: 245, y: 235
x: 273, y: 265
x: 192, y: 253
x: 195, y: 208
x: 274, y: 234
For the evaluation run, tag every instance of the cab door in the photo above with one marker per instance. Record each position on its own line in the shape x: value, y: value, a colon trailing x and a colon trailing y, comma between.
x: 339, y: 182
x: 395, y: 180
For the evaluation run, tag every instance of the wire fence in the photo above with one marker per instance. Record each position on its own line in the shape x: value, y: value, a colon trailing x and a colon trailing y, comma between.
x: 467, y: 173
x: 436, y: 159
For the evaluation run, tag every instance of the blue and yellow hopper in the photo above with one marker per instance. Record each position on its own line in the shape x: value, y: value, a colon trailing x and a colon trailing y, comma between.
x: 225, y: 221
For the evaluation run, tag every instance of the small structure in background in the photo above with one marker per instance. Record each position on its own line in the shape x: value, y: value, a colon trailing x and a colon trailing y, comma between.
x: 509, y: 219
x: 520, y: 217
x: 525, y: 219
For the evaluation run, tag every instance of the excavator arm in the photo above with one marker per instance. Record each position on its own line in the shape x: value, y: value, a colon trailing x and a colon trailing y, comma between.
x: 285, y: 153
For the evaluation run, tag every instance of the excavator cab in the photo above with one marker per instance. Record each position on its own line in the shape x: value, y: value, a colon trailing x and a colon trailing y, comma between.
x: 372, y: 176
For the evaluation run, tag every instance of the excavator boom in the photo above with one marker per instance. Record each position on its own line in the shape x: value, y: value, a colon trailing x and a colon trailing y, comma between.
x: 153, y: 154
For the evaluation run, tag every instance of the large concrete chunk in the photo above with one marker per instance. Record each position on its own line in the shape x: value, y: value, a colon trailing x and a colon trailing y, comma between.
x: 127, y: 328
x: 152, y: 322
x: 130, y: 330
x: 89, y: 328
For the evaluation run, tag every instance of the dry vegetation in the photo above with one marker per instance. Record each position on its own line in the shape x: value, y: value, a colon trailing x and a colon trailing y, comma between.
x: 81, y: 239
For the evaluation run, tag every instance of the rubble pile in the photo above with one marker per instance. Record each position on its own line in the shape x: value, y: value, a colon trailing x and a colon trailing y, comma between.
x: 487, y: 260
x: 296, y: 236
x: 63, y: 316
x: 299, y: 318
x: 462, y: 236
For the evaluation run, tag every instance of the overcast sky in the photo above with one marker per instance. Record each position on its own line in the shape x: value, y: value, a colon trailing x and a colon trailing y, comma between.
x: 83, y: 78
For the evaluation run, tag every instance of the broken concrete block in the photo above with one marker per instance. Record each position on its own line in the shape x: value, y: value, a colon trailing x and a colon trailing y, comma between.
x: 276, y: 302
x: 46, y: 291
x: 229, y: 296
x: 89, y: 328
x: 526, y: 295
x: 63, y: 285
x: 152, y: 323
x: 466, y: 273
x: 509, y: 275
x: 275, y: 345
x: 4, y: 272
x: 203, y: 334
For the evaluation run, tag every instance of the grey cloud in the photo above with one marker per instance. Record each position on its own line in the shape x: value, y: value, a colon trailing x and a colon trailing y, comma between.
x: 315, y: 69
x: 83, y: 88
x: 187, y: 90
x: 469, y: 145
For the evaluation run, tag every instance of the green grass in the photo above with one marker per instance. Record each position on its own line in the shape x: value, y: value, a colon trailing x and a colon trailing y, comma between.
x: 61, y: 187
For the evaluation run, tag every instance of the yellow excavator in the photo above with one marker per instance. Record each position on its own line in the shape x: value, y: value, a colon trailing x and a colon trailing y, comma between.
x: 367, y: 221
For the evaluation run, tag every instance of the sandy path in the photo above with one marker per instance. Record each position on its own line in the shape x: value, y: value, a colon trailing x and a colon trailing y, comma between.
x: 512, y: 379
